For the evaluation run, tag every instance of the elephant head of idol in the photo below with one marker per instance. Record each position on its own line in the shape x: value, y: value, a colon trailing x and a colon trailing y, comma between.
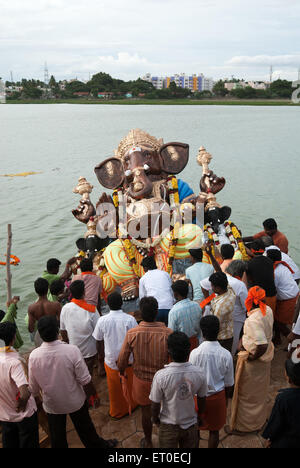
x: 139, y: 162
x: 140, y: 168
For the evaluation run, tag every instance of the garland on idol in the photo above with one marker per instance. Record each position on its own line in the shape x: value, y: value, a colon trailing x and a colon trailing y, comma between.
x: 131, y: 245
x: 233, y: 234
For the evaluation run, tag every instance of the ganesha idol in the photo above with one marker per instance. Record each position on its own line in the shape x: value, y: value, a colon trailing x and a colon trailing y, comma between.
x: 150, y: 212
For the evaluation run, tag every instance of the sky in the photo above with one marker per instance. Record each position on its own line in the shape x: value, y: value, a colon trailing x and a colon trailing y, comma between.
x: 129, y: 38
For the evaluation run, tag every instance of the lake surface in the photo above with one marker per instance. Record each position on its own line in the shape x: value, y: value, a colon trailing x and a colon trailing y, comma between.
x: 255, y: 148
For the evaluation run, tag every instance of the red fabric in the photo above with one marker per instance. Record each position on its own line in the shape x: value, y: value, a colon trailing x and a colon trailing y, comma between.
x: 271, y: 302
x: 284, y: 264
x: 141, y: 390
x: 120, y: 392
x: 256, y: 296
x: 285, y: 311
x: 214, y: 416
x: 88, y: 273
x: 207, y: 301
x: 194, y: 342
x: 84, y: 305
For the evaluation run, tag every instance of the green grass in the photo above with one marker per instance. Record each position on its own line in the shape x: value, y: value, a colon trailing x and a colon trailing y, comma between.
x: 161, y: 102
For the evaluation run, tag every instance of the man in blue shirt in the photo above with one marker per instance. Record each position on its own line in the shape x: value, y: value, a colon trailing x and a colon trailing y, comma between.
x: 185, y: 315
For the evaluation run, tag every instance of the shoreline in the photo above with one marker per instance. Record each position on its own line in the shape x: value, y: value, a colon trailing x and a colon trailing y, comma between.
x: 157, y: 102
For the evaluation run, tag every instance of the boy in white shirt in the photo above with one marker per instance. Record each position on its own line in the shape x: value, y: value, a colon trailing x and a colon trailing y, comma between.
x: 172, y: 396
x: 217, y: 364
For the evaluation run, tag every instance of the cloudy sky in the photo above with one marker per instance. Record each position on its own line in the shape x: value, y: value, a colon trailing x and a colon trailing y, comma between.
x: 128, y: 38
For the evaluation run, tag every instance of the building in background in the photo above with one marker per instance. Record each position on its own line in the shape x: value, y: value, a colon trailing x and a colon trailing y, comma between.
x: 244, y: 84
x: 192, y: 82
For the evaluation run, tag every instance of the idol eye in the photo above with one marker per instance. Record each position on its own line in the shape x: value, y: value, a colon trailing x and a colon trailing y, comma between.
x: 128, y: 173
x: 146, y: 167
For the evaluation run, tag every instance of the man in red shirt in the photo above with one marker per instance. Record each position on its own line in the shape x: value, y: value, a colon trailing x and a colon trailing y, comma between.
x: 270, y: 229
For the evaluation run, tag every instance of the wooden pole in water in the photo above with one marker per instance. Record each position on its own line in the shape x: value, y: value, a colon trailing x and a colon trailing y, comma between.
x: 8, y: 254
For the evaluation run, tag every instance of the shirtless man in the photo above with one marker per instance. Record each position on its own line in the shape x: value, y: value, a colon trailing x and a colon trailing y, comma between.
x: 41, y: 308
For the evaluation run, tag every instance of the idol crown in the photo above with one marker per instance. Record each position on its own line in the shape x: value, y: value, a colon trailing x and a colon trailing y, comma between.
x: 137, y: 138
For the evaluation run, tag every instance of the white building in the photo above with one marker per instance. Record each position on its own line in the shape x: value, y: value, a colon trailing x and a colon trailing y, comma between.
x: 193, y: 82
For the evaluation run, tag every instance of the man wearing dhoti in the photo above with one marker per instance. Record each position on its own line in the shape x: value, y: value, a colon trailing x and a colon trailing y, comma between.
x: 253, y: 371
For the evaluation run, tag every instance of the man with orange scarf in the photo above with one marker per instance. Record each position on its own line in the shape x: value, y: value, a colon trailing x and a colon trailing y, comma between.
x: 287, y: 295
x: 78, y: 321
x: 253, y: 369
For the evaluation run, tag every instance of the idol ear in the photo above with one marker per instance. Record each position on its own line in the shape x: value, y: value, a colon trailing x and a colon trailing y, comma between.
x: 81, y: 244
x: 224, y: 213
x: 174, y: 157
x: 110, y: 173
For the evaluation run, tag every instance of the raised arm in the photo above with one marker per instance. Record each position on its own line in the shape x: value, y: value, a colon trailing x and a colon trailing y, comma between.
x: 215, y: 264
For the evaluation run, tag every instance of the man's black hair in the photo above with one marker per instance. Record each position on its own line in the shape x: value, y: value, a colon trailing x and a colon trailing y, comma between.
x: 219, y: 279
x: 149, y: 309
x: 57, y: 287
x: 293, y: 371
x: 181, y: 287
x: 7, y: 332
x: 77, y: 289
x: 270, y: 224
x: 86, y: 265
x: 115, y: 301
x: 179, y: 346
x: 210, y: 327
x: 149, y: 263
x: 274, y: 255
x: 256, y: 245
x: 41, y: 286
x: 48, y: 328
x: 197, y: 254
x: 53, y: 264
x: 227, y: 251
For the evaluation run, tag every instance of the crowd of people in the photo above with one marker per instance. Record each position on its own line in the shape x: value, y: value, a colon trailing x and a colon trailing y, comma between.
x: 193, y: 345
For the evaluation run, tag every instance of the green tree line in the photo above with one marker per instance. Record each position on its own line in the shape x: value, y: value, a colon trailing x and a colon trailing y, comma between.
x: 104, y: 83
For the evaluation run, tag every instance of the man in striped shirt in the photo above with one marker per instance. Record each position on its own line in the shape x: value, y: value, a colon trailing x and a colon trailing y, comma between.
x: 148, y: 343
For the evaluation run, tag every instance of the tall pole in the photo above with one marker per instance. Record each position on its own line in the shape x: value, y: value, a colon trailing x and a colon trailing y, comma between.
x: 8, y: 254
x: 271, y: 74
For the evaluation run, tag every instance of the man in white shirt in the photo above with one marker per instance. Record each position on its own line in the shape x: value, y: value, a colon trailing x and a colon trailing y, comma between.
x: 109, y: 334
x: 286, y: 258
x: 234, y: 270
x: 58, y: 372
x: 78, y: 320
x: 18, y: 411
x: 172, y: 396
x: 158, y: 284
x: 217, y: 364
x: 287, y: 295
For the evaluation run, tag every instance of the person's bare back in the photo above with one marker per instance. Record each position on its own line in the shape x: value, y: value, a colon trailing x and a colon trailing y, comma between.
x: 41, y: 308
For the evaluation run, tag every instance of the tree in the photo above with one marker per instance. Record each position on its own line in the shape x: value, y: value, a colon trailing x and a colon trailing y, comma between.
x: 52, y: 82
x: 101, y: 82
x: 281, y: 89
x: 30, y: 90
x: 219, y: 88
x: 202, y: 94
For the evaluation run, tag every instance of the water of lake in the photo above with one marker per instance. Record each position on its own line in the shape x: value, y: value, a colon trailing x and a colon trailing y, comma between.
x: 255, y: 148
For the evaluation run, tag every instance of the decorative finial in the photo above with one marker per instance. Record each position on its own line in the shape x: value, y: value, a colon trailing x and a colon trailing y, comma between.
x: 84, y: 188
